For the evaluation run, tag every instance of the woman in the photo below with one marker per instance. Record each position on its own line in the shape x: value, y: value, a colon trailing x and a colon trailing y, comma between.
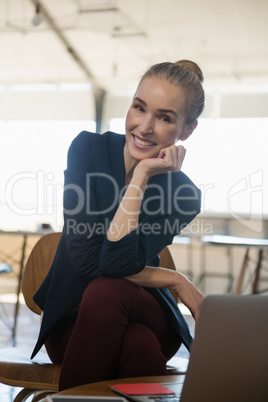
x: 107, y: 310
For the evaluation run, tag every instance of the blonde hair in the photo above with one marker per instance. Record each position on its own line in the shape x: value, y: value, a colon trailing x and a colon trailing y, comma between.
x: 188, y: 75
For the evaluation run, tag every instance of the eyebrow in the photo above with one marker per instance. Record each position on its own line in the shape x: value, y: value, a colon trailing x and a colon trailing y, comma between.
x: 160, y: 110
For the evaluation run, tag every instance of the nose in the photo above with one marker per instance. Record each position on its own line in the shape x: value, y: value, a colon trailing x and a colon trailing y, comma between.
x: 146, y: 125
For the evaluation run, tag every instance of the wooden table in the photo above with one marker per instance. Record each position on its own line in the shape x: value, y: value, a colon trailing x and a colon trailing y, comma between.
x: 103, y: 388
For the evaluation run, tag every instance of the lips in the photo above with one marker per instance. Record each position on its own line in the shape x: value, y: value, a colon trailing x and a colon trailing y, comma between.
x: 143, y: 142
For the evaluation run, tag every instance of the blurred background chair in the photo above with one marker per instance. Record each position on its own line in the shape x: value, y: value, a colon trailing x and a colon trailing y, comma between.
x: 39, y: 376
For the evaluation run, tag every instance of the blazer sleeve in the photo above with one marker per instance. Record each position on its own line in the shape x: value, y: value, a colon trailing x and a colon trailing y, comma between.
x: 83, y: 241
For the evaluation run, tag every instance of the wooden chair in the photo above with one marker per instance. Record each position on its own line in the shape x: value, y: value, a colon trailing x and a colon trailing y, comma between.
x: 40, y: 376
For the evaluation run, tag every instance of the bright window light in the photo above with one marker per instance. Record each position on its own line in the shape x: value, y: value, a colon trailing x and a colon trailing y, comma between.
x: 117, y: 125
x: 227, y: 159
x: 32, y: 162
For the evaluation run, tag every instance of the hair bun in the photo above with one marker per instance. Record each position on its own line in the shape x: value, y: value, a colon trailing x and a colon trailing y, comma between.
x: 192, y: 66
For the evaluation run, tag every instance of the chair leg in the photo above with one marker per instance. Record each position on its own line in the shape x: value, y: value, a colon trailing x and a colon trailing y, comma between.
x: 257, y: 273
x: 23, y: 395
x: 242, y: 273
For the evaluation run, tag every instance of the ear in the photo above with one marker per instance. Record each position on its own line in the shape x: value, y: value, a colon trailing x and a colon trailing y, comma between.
x: 187, y: 131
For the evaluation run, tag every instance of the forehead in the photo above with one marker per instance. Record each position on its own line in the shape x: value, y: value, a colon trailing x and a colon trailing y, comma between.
x: 161, y: 93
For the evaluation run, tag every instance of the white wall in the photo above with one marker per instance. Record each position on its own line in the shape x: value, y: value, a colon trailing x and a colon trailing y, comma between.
x: 46, y: 102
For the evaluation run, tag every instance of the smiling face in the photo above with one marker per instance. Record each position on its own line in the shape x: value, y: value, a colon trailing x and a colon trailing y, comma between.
x: 155, y: 120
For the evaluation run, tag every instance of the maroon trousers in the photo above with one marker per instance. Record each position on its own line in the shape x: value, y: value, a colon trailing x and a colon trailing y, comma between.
x: 120, y: 331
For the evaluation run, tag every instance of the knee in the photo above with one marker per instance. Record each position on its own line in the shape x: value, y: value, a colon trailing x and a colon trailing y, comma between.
x: 104, y: 298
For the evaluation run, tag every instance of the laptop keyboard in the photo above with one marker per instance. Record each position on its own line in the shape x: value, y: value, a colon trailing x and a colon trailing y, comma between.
x: 165, y: 398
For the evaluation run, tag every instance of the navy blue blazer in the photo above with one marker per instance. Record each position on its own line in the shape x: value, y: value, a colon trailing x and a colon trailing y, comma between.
x: 94, y: 185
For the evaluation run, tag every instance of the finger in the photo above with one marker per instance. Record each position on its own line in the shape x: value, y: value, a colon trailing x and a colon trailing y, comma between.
x: 161, y: 155
x: 174, y: 156
x: 170, y: 157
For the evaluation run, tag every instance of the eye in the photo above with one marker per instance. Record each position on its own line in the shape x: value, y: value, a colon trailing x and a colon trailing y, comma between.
x: 138, y: 107
x: 166, y: 119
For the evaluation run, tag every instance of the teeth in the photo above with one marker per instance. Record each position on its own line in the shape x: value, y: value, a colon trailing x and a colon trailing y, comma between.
x: 141, y: 142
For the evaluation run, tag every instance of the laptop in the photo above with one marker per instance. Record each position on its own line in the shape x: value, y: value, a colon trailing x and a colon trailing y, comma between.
x: 229, y: 356
x: 83, y: 398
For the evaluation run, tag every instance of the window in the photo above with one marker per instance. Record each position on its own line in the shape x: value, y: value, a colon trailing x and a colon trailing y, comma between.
x: 226, y: 158
x: 33, y: 158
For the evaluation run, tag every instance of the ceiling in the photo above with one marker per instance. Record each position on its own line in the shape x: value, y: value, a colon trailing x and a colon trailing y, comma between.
x: 110, y: 43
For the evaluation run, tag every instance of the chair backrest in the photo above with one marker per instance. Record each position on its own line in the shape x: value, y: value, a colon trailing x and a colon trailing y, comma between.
x: 40, y: 260
x: 37, y: 267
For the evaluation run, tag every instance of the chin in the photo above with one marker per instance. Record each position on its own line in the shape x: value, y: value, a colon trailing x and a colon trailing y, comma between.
x: 138, y: 155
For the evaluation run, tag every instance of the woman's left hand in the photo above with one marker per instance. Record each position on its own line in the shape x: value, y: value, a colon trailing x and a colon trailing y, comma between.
x: 186, y: 291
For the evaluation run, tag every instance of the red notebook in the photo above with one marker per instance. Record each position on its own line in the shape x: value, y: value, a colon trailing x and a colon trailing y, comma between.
x: 142, y: 389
